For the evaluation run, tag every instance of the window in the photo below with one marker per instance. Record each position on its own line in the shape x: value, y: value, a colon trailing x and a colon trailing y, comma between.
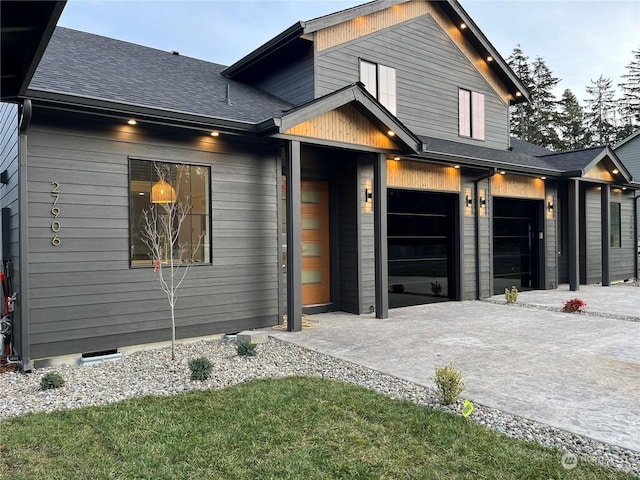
x: 189, y: 185
x: 380, y: 81
x: 616, y: 225
x: 471, y: 114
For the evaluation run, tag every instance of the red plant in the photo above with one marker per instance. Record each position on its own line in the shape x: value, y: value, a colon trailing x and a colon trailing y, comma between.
x: 574, y: 305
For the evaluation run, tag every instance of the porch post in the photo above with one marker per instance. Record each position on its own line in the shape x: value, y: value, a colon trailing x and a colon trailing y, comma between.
x: 574, y: 235
x: 294, y: 239
x: 380, y: 235
x: 605, y: 198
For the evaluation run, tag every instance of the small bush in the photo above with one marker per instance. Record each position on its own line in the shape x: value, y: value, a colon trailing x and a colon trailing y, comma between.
x: 574, y: 305
x: 200, y: 369
x: 449, y: 384
x: 511, y: 295
x: 51, y: 380
x: 247, y: 349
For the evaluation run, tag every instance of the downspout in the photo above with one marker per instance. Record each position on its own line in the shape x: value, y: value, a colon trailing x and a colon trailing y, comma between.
x: 477, y: 223
x: 23, y: 238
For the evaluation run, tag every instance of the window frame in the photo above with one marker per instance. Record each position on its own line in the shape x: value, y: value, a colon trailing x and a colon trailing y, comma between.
x: 385, y: 83
x: 615, y: 225
x: 207, y: 242
x: 471, y: 114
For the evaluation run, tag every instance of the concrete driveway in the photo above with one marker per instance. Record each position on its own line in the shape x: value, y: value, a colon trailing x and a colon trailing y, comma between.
x: 577, y: 372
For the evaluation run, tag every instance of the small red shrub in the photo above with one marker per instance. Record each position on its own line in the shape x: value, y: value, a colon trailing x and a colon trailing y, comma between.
x: 574, y: 305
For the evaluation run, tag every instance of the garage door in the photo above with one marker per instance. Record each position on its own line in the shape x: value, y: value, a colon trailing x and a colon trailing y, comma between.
x: 515, y: 244
x: 420, y: 242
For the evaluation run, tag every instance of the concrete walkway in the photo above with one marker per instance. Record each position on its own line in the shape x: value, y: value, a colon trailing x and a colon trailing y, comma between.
x: 577, y: 372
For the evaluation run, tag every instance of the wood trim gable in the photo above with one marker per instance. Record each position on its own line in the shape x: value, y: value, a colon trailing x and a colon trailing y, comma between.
x: 346, y: 125
x: 367, y: 24
x: 599, y: 172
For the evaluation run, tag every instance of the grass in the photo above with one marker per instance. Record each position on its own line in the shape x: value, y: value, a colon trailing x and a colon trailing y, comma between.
x: 298, y: 427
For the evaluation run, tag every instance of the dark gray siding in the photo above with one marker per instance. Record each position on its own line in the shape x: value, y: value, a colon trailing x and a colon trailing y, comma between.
x: 621, y: 260
x: 367, y: 244
x: 9, y: 198
x: 562, y: 233
x: 590, y: 237
x: 293, y: 82
x: 551, y: 239
x: 629, y: 153
x: 348, y: 235
x: 429, y: 71
x: 84, y: 295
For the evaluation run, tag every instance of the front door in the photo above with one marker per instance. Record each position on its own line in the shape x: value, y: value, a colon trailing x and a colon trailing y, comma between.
x: 316, y: 286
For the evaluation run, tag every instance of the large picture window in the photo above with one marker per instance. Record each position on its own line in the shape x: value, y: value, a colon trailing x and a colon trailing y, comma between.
x: 380, y: 81
x: 616, y: 225
x: 185, y: 185
x: 471, y: 114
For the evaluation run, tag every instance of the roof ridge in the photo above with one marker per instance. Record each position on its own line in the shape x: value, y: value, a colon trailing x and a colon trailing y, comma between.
x: 575, y: 150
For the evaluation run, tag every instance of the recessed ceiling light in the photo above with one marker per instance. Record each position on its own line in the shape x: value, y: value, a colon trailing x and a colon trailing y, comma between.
x: 391, y: 133
x: 489, y: 58
x: 543, y: 178
x: 132, y: 121
x: 215, y: 133
x: 518, y: 94
x: 141, y: 194
x: 463, y: 26
x: 456, y: 166
x: 502, y: 172
x: 397, y: 159
x: 615, y: 171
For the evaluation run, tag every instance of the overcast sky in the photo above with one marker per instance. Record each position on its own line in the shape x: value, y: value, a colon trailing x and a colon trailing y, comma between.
x: 578, y: 39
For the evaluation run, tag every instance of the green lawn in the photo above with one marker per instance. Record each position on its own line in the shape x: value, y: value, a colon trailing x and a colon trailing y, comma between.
x: 300, y: 428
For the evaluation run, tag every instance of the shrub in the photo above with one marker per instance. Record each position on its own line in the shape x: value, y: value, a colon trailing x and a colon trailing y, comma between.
x: 574, y: 305
x: 51, y: 380
x: 449, y: 384
x: 200, y: 369
x: 511, y: 295
x: 247, y: 349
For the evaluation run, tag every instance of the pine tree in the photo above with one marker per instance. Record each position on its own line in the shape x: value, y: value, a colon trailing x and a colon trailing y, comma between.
x: 600, y: 114
x: 522, y: 112
x: 571, y: 123
x: 543, y: 103
x: 630, y: 101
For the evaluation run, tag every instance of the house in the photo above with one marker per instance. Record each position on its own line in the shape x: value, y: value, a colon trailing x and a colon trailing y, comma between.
x: 628, y: 151
x: 358, y: 161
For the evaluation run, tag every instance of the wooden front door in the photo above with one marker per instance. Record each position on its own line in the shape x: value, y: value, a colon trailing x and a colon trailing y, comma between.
x: 316, y: 285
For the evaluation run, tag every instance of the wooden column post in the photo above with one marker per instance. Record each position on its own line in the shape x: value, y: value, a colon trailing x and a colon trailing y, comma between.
x: 294, y: 239
x: 380, y: 235
x: 573, y: 218
x: 605, y: 199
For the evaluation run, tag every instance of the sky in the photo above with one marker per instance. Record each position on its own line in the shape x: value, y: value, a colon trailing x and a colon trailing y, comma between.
x: 579, y: 40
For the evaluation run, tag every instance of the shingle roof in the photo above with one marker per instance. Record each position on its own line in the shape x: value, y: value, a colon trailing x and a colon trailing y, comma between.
x: 574, y: 159
x: 527, y: 148
x: 87, y: 65
x: 504, y: 158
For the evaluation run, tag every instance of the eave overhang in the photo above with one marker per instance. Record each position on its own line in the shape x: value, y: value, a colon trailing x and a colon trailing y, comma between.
x: 608, y: 153
x: 25, y: 31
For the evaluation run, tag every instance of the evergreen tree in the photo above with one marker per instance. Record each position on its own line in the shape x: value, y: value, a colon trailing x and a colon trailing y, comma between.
x: 522, y: 112
x: 630, y: 101
x: 600, y: 114
x: 544, y: 119
x: 570, y: 119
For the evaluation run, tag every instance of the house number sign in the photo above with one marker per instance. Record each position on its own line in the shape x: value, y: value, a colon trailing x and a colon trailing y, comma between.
x: 55, y: 211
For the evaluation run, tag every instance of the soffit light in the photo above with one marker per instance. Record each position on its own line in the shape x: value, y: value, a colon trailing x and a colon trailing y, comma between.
x: 463, y: 26
x: 162, y: 192
x: 215, y: 133
x: 456, y: 166
x: 489, y: 58
x: 518, y: 94
x: 391, y: 133
x: 543, y: 178
x: 502, y: 172
x: 132, y: 121
x: 397, y: 159
x: 615, y: 171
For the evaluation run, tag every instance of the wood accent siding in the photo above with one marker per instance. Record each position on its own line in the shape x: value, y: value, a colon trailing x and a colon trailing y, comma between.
x: 83, y: 294
x: 422, y: 176
x: 345, y: 124
x: 599, y: 172
x: 368, y: 24
x: 430, y: 70
x: 517, y: 186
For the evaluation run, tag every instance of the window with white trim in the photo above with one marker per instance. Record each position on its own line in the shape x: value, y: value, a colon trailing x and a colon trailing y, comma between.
x: 471, y: 114
x: 380, y: 81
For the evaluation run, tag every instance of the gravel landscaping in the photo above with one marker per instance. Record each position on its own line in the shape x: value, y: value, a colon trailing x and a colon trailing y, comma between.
x: 152, y: 372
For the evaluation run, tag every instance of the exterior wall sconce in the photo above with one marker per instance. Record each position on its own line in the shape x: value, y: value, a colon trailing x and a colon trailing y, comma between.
x: 162, y: 192
x: 368, y: 195
x: 549, y: 207
x: 468, y: 201
x: 483, y: 202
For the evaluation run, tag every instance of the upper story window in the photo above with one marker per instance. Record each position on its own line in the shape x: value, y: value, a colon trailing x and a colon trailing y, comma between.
x: 471, y: 114
x: 380, y: 81
x: 185, y: 187
x: 616, y: 225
